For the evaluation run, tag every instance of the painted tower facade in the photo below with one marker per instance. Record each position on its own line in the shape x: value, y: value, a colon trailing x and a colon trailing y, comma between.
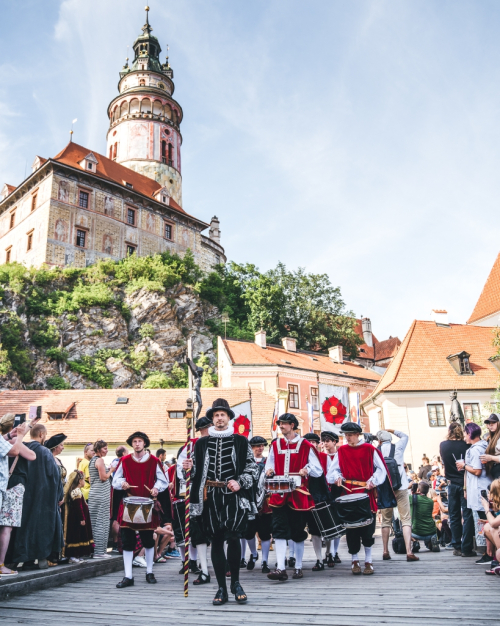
x: 144, y: 131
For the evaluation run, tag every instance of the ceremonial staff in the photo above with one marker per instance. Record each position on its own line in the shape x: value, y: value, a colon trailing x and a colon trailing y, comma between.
x: 187, y: 537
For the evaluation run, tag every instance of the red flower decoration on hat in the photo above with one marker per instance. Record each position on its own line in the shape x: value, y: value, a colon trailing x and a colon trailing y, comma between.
x: 333, y: 410
x: 241, y: 426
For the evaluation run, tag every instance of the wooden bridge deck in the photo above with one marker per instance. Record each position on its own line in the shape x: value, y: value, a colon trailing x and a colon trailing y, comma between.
x: 438, y: 590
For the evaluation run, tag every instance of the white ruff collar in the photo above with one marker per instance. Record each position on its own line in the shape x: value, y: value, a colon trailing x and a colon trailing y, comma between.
x: 221, y: 433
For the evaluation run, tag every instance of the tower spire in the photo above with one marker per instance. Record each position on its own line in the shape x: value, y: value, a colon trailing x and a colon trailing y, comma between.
x: 147, y: 28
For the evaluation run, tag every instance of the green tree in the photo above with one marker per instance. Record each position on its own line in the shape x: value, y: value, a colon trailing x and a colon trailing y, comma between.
x: 209, y: 379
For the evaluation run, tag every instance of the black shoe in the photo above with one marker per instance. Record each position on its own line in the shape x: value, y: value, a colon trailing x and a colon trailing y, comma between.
x: 291, y: 562
x: 193, y: 567
x: 484, y: 560
x: 336, y: 558
x: 330, y: 561
x: 150, y: 578
x: 202, y: 579
x: 319, y: 567
x: 243, y: 564
x: 251, y: 562
x: 220, y: 597
x: 239, y: 595
x: 126, y: 582
x: 471, y: 553
x: 265, y: 568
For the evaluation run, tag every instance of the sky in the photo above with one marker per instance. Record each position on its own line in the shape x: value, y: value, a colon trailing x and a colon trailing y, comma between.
x: 354, y: 138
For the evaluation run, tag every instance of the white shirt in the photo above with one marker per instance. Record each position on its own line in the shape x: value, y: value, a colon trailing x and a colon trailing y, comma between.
x: 379, y: 473
x: 399, y: 454
x: 161, y: 480
x: 313, y: 465
x: 476, y: 483
x: 5, y: 447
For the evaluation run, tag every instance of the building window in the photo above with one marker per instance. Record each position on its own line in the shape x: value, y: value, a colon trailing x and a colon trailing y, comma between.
x: 471, y: 411
x: 176, y: 415
x: 170, y: 155
x: 55, y: 416
x: 80, y: 238
x: 131, y: 217
x: 315, y: 398
x: 465, y: 365
x: 130, y: 249
x: 12, y: 221
x: 33, y: 201
x: 115, y: 151
x: 168, y: 231
x: 111, y: 152
x: 83, y: 199
x: 89, y: 165
x: 30, y: 241
x: 164, y: 152
x: 8, y: 254
x: 293, y: 396
x: 436, y: 415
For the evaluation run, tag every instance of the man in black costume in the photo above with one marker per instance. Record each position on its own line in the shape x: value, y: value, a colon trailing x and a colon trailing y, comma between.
x: 224, y: 469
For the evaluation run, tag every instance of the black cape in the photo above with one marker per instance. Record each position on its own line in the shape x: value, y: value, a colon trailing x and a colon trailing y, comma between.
x: 41, y: 530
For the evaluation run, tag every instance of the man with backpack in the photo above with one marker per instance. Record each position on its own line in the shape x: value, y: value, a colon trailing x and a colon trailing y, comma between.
x: 394, y: 459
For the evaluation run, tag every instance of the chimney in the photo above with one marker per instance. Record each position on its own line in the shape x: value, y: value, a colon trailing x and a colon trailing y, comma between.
x: 440, y: 316
x: 366, y: 326
x: 290, y: 344
x: 214, y: 230
x: 260, y: 338
x: 336, y: 354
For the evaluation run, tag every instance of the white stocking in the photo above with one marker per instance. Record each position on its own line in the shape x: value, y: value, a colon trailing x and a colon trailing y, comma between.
x: 265, y: 549
x: 336, y: 543
x: 193, y: 553
x: 202, y: 555
x: 252, y: 544
x: 291, y: 548
x: 299, y: 553
x: 368, y: 555
x: 128, y: 557
x: 182, y: 550
x: 150, y: 557
x: 280, y: 545
x: 316, y: 541
x: 243, y: 547
x: 355, y: 557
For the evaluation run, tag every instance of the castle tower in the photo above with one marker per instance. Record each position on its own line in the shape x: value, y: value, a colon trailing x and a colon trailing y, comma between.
x: 144, y: 118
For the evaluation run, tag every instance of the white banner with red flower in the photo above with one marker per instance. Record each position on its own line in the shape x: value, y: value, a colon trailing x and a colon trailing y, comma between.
x: 334, y: 407
x: 242, y: 422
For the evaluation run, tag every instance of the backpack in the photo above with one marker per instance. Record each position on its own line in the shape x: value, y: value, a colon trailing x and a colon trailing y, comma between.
x: 398, y: 543
x: 393, y: 468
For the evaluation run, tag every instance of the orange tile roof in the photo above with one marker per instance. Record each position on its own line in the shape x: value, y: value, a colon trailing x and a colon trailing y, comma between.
x: 95, y: 414
x: 249, y: 353
x: 421, y: 365
x: 380, y: 349
x: 489, y: 300
x: 106, y: 168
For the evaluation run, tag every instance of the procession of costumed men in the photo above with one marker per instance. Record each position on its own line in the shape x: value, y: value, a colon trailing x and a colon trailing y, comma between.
x: 238, y: 494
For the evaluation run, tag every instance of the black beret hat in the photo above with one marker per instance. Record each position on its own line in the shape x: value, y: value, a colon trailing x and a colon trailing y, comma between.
x: 258, y: 441
x: 351, y: 427
x: 220, y: 405
x: 312, y: 437
x: 139, y: 435
x: 329, y: 435
x: 203, y: 422
x: 289, y: 418
x: 55, y: 440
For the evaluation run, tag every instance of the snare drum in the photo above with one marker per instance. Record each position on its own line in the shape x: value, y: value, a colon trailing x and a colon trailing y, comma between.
x: 328, y: 520
x: 282, y: 484
x: 137, y: 510
x: 354, y: 510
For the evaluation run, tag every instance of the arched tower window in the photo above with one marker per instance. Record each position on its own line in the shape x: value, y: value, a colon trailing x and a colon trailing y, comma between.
x: 170, y: 155
x: 115, y: 151
x: 163, y: 151
x: 111, y: 151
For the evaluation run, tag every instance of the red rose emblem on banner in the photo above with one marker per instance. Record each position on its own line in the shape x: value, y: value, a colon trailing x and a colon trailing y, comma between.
x: 333, y: 410
x: 241, y: 426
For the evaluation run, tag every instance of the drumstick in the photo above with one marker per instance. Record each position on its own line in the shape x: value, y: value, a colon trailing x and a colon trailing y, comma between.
x: 132, y: 486
x: 150, y: 490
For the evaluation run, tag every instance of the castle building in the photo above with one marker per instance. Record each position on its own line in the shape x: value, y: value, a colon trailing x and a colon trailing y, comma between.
x: 81, y: 206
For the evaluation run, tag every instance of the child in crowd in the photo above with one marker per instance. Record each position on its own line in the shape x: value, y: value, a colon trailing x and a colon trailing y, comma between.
x: 78, y: 541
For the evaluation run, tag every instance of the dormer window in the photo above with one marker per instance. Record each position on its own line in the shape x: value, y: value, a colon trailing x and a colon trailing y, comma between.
x: 89, y: 162
x: 90, y: 166
x: 460, y: 362
x: 129, y: 185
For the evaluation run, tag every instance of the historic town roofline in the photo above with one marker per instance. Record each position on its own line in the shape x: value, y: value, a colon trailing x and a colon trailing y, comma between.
x: 489, y: 300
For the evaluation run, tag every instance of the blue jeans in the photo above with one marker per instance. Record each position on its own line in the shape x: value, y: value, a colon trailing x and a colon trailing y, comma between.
x: 462, y: 535
x: 423, y: 537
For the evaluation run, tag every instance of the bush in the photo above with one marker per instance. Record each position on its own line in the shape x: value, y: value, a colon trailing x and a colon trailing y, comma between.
x: 57, y: 382
x: 57, y: 354
x: 157, y: 380
x: 45, y: 336
x: 147, y: 330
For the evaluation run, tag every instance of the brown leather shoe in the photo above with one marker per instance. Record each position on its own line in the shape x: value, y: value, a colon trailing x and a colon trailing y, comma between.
x: 297, y: 574
x: 356, y: 569
x: 386, y: 556
x: 278, y: 574
x: 368, y: 569
x: 412, y: 557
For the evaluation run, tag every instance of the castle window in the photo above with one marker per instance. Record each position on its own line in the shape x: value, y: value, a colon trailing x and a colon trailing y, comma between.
x: 80, y: 238
x: 33, y: 200
x: 315, y: 398
x: 131, y: 249
x: 29, y: 245
x: 12, y: 220
x: 436, y: 415
x: 8, y: 254
x: 293, y: 396
x: 89, y: 165
x: 164, y: 152
x: 131, y: 217
x: 115, y: 151
x: 168, y: 231
x: 217, y: 259
x: 110, y: 152
x: 170, y: 155
x: 142, y: 82
x: 83, y: 199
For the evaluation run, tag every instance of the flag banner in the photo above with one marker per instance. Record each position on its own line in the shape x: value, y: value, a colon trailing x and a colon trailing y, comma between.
x: 242, y: 422
x: 310, y: 413
x: 354, y: 403
x: 334, y: 407
x: 280, y: 407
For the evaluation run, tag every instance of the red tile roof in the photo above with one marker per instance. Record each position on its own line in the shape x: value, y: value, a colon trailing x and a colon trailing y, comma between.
x: 380, y: 350
x: 95, y: 414
x: 489, y: 300
x: 249, y: 353
x: 421, y: 365
x: 106, y: 168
